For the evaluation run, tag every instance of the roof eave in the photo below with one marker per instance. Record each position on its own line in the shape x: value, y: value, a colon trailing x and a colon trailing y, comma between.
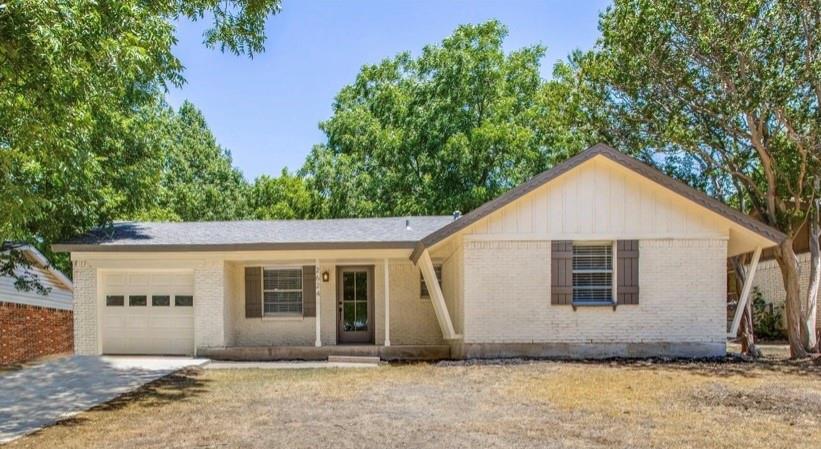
x: 261, y: 246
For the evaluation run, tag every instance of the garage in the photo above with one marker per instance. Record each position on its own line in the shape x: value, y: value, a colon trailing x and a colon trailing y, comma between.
x: 148, y: 312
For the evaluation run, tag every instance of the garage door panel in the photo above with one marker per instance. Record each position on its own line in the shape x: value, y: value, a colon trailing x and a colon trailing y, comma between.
x: 149, y: 329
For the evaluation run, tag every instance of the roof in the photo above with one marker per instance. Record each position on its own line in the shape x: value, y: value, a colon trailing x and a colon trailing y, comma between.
x: 614, y: 155
x: 391, y: 232
x: 37, y: 259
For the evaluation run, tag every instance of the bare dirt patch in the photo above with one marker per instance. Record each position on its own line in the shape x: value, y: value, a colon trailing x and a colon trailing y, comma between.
x: 646, y: 404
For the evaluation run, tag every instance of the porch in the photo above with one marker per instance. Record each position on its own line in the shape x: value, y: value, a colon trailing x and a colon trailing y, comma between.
x: 388, y: 353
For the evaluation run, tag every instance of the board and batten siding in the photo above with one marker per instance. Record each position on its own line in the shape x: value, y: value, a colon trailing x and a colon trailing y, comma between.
x: 602, y: 198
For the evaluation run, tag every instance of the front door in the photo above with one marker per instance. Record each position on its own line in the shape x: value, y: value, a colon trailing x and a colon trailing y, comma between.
x: 355, y: 320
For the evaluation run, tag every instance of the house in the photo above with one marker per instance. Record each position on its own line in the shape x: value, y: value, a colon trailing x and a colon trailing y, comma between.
x: 768, y: 278
x: 34, y: 325
x: 599, y: 256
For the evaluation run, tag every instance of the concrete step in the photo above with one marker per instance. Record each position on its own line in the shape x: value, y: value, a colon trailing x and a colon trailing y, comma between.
x: 352, y: 359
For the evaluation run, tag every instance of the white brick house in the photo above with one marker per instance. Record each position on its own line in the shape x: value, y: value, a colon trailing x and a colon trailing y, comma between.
x: 599, y: 256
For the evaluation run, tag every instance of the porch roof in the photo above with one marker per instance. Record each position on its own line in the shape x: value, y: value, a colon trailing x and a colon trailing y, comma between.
x: 390, y: 232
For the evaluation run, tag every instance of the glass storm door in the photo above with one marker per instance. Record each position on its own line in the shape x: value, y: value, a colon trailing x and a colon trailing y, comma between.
x: 355, y: 305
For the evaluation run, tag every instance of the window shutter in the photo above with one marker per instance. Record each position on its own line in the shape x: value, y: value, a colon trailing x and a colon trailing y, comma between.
x: 253, y: 292
x: 561, y: 272
x: 627, y: 270
x: 309, y: 290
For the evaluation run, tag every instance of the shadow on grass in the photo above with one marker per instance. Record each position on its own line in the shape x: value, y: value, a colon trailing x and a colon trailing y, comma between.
x: 726, y: 367
x: 179, y: 386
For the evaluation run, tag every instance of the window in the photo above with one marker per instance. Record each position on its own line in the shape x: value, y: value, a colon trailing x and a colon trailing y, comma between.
x: 424, y: 293
x: 115, y: 300
x: 137, y: 300
x: 183, y: 301
x: 282, y: 291
x: 592, y: 273
x: 160, y: 301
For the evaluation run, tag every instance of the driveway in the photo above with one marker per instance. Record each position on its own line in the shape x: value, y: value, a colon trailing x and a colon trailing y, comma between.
x: 40, y: 395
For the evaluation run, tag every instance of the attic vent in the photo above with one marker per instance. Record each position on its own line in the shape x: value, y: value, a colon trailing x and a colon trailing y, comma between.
x: 407, y: 225
x: 457, y: 215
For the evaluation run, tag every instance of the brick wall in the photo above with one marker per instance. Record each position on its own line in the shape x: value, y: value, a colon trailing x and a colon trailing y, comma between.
x: 85, y: 308
x: 28, y: 332
x: 682, y: 296
x: 769, y: 282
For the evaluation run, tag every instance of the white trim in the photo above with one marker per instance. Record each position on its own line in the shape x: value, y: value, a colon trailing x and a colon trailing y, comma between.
x: 317, y: 284
x: 387, y: 303
x: 593, y: 237
x: 44, y: 303
x: 745, y: 293
x: 437, y: 299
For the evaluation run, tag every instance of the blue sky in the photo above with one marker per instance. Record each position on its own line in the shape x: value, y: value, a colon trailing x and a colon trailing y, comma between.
x: 266, y: 109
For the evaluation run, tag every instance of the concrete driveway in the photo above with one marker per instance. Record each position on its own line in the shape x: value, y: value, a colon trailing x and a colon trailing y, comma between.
x: 40, y: 395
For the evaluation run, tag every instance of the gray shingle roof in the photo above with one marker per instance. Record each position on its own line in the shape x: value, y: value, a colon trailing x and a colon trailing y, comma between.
x: 391, y: 232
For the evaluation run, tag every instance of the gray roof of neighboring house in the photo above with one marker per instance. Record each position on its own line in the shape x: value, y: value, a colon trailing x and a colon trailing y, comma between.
x: 391, y: 232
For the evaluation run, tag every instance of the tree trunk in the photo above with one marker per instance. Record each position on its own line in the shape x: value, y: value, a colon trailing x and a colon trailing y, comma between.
x: 809, y: 334
x: 788, y: 262
x: 746, y: 334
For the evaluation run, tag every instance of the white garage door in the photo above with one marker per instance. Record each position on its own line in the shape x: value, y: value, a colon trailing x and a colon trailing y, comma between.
x: 148, y: 313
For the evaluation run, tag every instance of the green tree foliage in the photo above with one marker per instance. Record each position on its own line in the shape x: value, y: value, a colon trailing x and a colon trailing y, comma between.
x: 198, y: 181
x: 448, y: 130
x: 80, y: 92
x: 727, y: 92
x: 285, y: 197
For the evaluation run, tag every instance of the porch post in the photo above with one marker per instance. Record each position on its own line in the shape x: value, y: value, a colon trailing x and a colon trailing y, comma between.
x: 317, y: 282
x: 387, y: 305
x: 745, y: 293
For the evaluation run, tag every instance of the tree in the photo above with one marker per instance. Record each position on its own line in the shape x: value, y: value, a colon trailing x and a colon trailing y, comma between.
x: 735, y: 87
x: 285, y: 197
x: 198, y: 181
x: 446, y: 131
x: 81, y: 82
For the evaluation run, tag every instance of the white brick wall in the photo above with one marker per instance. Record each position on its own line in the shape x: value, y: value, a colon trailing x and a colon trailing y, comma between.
x: 768, y: 280
x: 85, y: 308
x: 682, y: 295
x: 413, y: 320
x: 209, y: 313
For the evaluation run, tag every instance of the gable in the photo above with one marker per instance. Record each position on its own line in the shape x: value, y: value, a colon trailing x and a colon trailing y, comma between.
x: 604, y: 202
x: 602, y: 199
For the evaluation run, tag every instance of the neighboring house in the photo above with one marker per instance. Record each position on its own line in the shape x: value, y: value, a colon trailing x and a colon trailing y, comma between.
x: 34, y: 325
x: 600, y: 256
x: 768, y: 278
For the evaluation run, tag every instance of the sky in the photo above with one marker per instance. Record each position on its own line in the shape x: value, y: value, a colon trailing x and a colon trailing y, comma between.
x: 266, y: 109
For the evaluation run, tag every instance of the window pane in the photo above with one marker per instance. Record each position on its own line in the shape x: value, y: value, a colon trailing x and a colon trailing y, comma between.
x: 361, y: 285
x: 137, y: 301
x: 348, y: 287
x: 282, y: 302
x: 160, y: 300
x: 424, y: 288
x: 290, y: 279
x: 183, y: 301
x: 361, y: 322
x: 115, y: 300
x: 599, y: 257
x: 593, y: 273
x: 349, y: 316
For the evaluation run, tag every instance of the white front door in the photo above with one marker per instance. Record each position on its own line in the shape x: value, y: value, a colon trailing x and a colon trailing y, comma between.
x: 147, y: 312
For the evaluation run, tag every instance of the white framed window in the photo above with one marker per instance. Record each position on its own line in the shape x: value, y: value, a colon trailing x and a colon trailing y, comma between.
x: 282, y: 291
x: 423, y: 288
x: 593, y: 272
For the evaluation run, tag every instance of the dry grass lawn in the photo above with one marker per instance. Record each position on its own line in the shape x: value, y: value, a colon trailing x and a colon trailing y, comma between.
x: 771, y: 404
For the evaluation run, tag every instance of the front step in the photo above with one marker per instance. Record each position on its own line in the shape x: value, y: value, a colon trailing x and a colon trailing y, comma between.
x: 353, y: 359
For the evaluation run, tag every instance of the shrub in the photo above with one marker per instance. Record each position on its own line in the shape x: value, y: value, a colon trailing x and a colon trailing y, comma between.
x: 767, y: 318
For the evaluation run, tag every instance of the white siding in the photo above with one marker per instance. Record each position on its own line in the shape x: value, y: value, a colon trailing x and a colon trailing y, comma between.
x: 58, y: 298
x: 602, y: 198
